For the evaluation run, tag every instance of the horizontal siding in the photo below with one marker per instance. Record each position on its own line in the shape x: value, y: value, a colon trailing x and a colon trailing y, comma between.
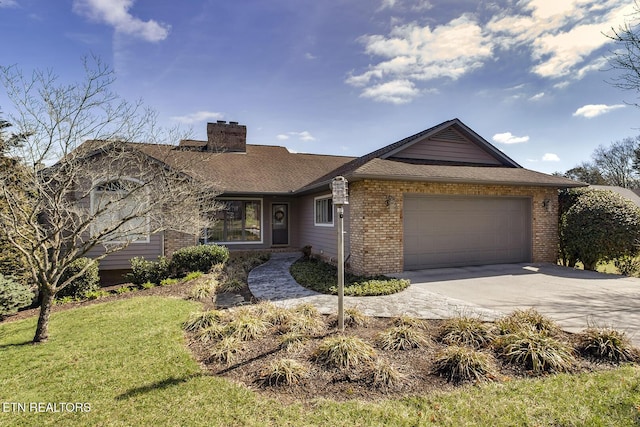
x: 452, y: 151
x: 121, y: 259
x: 323, y: 240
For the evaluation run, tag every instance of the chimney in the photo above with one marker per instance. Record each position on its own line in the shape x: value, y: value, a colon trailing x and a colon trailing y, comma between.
x: 226, y: 137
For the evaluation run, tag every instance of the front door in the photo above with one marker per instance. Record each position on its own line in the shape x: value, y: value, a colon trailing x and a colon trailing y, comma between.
x: 280, y: 224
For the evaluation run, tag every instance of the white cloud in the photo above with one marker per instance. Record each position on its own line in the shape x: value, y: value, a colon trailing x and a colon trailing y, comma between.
x: 302, y: 136
x: 550, y: 157
x: 116, y: 13
x: 8, y: 3
x: 594, y: 110
x: 395, y: 92
x: 537, y: 96
x: 199, y: 116
x: 509, y: 138
x: 309, y: 55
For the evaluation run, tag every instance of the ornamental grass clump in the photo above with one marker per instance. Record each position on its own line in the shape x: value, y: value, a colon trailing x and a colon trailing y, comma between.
x: 535, y: 351
x: 460, y: 363
x: 343, y: 352
x: 211, y: 333
x: 303, y: 325
x: 225, y: 350
x: 606, y: 344
x: 466, y: 331
x: 520, y: 320
x: 405, y: 320
x: 247, y: 327
x: 203, y: 290
x: 293, y: 341
x: 202, y: 320
x: 283, y: 372
x: 384, y: 374
x: 353, y: 318
x: 402, y: 337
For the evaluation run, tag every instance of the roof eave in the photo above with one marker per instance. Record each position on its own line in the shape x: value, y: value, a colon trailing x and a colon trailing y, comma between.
x: 359, y: 177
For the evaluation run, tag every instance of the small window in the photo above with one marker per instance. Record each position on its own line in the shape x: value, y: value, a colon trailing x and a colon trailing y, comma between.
x: 324, y: 211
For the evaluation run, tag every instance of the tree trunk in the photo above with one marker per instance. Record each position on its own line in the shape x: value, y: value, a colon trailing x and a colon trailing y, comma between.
x: 42, y: 330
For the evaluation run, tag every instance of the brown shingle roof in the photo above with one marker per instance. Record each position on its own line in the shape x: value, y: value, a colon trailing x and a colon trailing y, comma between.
x: 262, y: 169
x: 389, y: 169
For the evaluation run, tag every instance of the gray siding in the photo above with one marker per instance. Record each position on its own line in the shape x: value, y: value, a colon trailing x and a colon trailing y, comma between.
x: 447, y: 146
x: 323, y: 239
x: 120, y: 260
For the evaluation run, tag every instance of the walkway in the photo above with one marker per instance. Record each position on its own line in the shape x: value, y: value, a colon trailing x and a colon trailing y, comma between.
x: 272, y: 281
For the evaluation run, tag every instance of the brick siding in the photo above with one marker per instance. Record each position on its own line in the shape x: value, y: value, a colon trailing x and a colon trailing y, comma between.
x: 174, y: 240
x: 377, y: 222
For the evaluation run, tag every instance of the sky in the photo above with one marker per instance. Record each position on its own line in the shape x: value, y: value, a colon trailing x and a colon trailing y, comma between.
x: 347, y: 77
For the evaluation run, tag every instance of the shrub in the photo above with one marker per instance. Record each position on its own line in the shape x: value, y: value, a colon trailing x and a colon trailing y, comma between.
x: 459, y: 363
x: 627, y: 265
x: 201, y: 320
x: 143, y: 271
x: 535, y: 351
x: 123, y: 290
x: 402, y: 337
x: 600, y: 225
x: 148, y: 285
x: 323, y: 277
x: 169, y: 281
x: 198, y: 258
x: 466, y: 331
x: 606, y: 344
x: 96, y: 294
x: 87, y: 282
x: 13, y: 296
x: 283, y: 372
x: 343, y: 352
x: 192, y: 276
x: 384, y: 374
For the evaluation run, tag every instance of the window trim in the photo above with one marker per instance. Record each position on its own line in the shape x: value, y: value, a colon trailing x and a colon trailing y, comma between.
x: 205, y: 241
x: 92, y: 205
x: 328, y: 197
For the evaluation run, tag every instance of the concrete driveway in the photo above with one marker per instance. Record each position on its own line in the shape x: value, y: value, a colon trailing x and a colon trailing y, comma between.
x: 573, y: 298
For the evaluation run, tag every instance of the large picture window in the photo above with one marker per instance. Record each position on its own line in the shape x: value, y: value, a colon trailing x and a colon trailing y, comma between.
x: 323, y: 211
x: 120, y: 208
x: 238, y: 221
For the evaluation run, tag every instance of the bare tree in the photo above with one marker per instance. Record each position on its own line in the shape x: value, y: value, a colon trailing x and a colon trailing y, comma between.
x: 87, y: 186
x: 626, y: 58
x: 615, y: 162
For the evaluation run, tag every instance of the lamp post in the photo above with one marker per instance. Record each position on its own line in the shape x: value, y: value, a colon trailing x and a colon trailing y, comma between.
x: 340, y: 197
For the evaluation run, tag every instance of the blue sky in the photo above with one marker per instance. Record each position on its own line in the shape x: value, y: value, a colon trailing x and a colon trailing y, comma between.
x: 349, y: 76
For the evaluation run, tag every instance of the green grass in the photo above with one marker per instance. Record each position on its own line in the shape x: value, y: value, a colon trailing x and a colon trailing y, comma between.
x: 323, y: 277
x: 128, y: 360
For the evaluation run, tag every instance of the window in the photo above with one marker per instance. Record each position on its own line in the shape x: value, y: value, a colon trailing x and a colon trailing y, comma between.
x: 239, y: 221
x: 324, y: 211
x: 120, y: 211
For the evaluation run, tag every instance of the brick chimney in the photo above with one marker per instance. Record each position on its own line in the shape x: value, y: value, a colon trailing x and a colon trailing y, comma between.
x: 223, y: 137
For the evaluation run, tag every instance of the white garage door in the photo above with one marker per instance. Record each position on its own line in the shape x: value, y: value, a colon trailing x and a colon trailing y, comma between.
x: 443, y: 231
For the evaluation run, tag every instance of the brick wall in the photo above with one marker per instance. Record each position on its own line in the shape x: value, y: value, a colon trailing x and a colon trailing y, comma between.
x: 377, y: 222
x: 174, y: 240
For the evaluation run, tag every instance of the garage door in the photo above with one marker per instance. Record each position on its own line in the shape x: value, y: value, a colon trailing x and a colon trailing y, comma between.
x: 459, y: 231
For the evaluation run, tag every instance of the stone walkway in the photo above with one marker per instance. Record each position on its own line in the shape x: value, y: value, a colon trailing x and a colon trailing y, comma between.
x: 272, y: 281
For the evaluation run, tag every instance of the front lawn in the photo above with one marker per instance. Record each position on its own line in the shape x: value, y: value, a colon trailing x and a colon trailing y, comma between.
x: 323, y: 277
x: 129, y: 362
